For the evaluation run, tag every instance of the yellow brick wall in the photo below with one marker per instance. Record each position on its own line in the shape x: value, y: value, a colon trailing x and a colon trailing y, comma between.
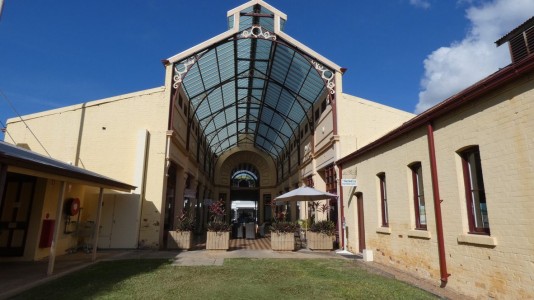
x: 103, y: 136
x: 501, y: 125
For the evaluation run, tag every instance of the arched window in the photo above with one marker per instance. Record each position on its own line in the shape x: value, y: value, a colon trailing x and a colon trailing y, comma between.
x: 383, y: 199
x: 477, y: 211
x: 245, y: 176
x: 418, y: 195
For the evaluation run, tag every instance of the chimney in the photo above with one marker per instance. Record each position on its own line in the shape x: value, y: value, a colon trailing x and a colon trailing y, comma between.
x: 520, y: 41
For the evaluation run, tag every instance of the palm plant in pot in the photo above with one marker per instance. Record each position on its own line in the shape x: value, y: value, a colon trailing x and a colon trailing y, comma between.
x: 321, y: 236
x: 218, y: 236
x: 182, y: 236
x: 283, y: 235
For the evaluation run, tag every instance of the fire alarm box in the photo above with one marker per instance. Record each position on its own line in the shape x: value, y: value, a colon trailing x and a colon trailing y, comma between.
x: 47, y: 234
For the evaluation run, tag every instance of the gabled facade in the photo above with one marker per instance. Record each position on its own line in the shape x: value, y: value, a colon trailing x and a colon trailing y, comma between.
x: 251, y: 100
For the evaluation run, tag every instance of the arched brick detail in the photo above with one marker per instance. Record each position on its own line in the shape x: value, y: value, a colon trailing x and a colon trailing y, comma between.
x: 239, y: 155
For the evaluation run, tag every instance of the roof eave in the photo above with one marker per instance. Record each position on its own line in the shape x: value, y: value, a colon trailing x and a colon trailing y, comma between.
x: 301, y: 47
x: 229, y: 33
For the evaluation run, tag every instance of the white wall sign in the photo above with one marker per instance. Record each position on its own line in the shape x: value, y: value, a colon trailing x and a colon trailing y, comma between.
x: 349, y: 182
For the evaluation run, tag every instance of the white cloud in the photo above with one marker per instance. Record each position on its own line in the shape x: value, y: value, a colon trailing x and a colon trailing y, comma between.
x: 420, y: 3
x: 450, y: 69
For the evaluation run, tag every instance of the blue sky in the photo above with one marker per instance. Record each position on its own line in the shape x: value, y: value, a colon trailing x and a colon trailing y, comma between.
x: 409, y: 54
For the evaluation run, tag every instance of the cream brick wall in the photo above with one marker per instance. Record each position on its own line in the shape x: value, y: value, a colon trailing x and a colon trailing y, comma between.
x: 103, y: 136
x: 362, y: 121
x: 501, y: 125
x: 324, y: 129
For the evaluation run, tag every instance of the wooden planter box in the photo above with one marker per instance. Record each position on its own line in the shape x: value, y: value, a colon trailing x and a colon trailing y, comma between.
x: 283, y: 241
x: 180, y: 240
x: 218, y: 240
x: 320, y: 241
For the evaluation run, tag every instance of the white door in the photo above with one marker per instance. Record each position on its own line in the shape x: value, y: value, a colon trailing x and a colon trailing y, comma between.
x: 125, y: 227
x: 106, y: 221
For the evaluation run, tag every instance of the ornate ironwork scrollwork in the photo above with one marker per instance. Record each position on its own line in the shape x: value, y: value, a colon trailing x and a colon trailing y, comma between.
x: 326, y: 75
x: 257, y: 31
x: 181, y: 68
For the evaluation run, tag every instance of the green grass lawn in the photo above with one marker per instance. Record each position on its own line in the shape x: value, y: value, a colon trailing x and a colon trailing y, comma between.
x: 236, y: 279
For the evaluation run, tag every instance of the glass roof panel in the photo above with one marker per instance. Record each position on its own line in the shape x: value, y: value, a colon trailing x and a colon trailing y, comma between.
x: 262, y: 66
x: 286, y: 130
x: 203, y: 111
x: 257, y: 83
x: 241, y: 126
x: 256, y: 95
x: 267, y: 23
x: 192, y: 81
x: 284, y: 103
x: 244, y: 21
x: 271, y: 100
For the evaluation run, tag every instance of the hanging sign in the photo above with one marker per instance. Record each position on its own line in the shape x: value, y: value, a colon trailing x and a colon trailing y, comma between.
x: 349, y: 182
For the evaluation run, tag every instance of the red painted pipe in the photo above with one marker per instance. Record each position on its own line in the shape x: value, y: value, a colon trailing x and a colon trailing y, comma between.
x: 437, y: 205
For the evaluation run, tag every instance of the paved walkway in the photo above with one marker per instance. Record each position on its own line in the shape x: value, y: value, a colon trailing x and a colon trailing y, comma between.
x: 16, y: 277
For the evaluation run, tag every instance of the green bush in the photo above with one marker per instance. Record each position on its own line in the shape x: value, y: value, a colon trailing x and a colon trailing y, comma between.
x: 284, y: 227
x: 186, y: 221
x: 326, y: 227
x: 219, y: 226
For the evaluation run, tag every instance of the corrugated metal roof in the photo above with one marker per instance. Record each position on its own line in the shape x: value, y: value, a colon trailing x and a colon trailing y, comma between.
x: 526, y: 25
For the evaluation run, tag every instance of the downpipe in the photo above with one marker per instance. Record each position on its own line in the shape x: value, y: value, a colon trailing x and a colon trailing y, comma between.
x: 437, y: 205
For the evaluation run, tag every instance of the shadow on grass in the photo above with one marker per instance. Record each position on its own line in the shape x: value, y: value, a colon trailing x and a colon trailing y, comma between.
x: 237, y: 278
x: 93, y: 281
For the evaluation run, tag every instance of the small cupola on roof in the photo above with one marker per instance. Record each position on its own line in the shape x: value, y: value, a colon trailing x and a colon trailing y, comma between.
x: 520, y: 40
x: 257, y: 13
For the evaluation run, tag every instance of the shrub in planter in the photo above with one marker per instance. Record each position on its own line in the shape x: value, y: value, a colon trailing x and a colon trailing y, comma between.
x: 284, y: 227
x: 283, y: 235
x: 322, y: 235
x: 186, y: 221
x: 218, y: 236
x: 219, y: 226
x: 326, y: 227
x: 182, y: 236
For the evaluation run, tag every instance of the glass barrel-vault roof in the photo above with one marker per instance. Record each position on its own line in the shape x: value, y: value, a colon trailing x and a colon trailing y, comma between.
x: 253, y: 86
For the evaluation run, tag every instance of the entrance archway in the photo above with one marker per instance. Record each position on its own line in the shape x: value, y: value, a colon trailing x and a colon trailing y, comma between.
x: 245, y: 193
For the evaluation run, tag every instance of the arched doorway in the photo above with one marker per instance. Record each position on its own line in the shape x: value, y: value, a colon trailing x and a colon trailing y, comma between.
x: 244, y: 193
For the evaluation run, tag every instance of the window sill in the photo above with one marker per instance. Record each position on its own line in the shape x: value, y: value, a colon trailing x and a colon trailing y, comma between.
x: 422, y: 234
x: 475, y: 239
x: 384, y: 230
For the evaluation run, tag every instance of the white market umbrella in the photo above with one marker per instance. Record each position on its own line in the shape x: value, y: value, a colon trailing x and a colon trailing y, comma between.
x: 304, y: 193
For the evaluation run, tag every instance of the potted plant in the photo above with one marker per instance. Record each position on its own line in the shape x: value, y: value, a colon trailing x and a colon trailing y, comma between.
x: 218, y: 236
x: 283, y: 235
x: 182, y: 236
x: 321, y: 236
